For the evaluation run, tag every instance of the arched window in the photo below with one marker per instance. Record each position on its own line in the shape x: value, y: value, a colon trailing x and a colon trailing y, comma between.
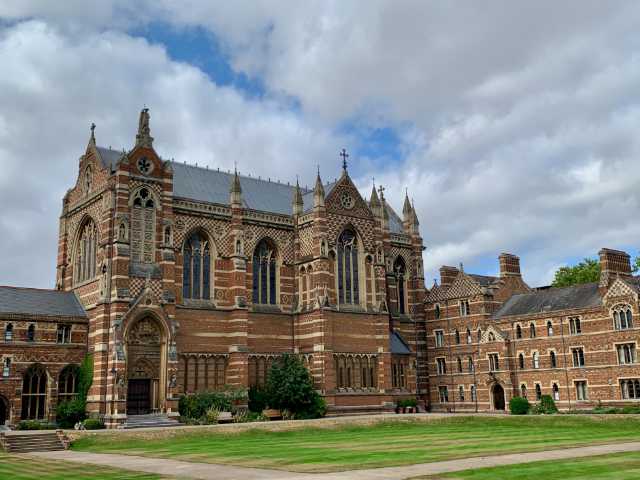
x: 31, y: 333
x: 556, y: 392
x: 143, y: 227
x: 521, y: 361
x: 264, y: 274
x: 196, y: 268
x: 470, y: 364
x: 34, y: 393
x: 86, y: 251
x: 457, y: 337
x: 399, y: 271
x: 348, y: 279
x: 552, y: 359
x: 538, y: 392
x: 437, y: 311
x: 523, y: 391
x: 622, y: 317
x: 491, y: 337
x: 167, y: 235
x: 536, y: 360
x: 479, y: 335
x: 88, y: 180
x: 473, y: 393
x: 68, y: 383
x: 461, y: 393
x: 459, y: 365
x: 6, y: 367
x: 518, y: 331
x: 8, y: 333
x: 549, y: 329
x: 532, y: 330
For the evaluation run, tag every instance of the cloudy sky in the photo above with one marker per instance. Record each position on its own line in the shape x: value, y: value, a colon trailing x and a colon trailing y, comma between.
x: 514, y: 125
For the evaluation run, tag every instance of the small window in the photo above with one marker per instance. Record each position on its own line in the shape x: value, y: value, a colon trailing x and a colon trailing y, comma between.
x: 439, y: 338
x: 630, y: 389
x: 538, y: 392
x: 622, y: 317
x: 64, y: 333
x: 492, y: 337
x: 549, y: 329
x: 574, y: 326
x: 8, y: 333
x: 578, y: 356
x: 536, y: 360
x: 441, y: 366
x: 532, y: 330
x: 31, y: 333
x: 626, y: 353
x: 459, y: 361
x: 6, y: 367
x: 521, y: 361
x: 461, y: 393
x: 437, y: 312
x: 494, y: 362
x: 523, y: 391
x: 479, y: 335
x: 444, y: 394
x: 581, y: 390
x: 518, y: 331
x: 553, y: 360
x: 469, y: 339
x: 473, y: 393
x: 457, y: 337
x: 470, y: 364
x: 464, y: 308
x: 556, y: 392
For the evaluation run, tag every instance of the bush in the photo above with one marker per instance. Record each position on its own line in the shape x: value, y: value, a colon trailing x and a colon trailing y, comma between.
x: 547, y: 405
x: 290, y: 388
x: 212, y: 416
x: 631, y: 409
x: 70, y: 412
x: 34, y: 425
x: 519, y: 406
x: 257, y: 399
x: 194, y: 407
x: 85, y: 377
x: 93, y: 424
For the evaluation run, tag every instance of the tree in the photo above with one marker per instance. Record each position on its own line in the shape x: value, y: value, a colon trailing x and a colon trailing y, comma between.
x: 289, y: 387
x: 586, y: 271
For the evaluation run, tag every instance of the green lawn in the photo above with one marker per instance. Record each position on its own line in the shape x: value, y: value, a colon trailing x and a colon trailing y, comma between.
x: 16, y: 467
x: 620, y: 466
x: 380, y: 445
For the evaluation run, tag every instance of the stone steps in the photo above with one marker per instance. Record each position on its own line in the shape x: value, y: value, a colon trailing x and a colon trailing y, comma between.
x: 31, y: 442
x: 150, y: 421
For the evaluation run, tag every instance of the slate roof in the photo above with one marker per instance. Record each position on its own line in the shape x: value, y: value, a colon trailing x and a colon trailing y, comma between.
x: 483, y: 280
x: 33, y: 301
x: 398, y: 345
x: 395, y: 222
x: 109, y: 157
x: 552, y: 299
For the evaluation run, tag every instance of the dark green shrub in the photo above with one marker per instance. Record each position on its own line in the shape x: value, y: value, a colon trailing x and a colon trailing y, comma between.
x: 195, y: 406
x: 34, y: 425
x: 85, y: 377
x: 606, y: 410
x: 71, y: 412
x: 519, y: 406
x: 547, y: 405
x: 93, y: 424
x: 289, y: 387
x: 631, y: 409
x: 257, y: 399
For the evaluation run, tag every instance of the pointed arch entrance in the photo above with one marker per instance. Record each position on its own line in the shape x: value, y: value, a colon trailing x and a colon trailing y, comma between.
x: 4, y: 410
x: 497, y: 393
x: 146, y: 357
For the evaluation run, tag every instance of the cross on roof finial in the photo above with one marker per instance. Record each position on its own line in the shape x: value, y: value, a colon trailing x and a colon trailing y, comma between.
x: 344, y: 155
x: 93, y: 136
x: 93, y: 127
x: 381, y: 190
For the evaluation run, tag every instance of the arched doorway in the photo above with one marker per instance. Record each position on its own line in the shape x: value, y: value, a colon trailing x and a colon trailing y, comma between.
x: 498, y: 397
x: 4, y: 410
x: 145, y: 358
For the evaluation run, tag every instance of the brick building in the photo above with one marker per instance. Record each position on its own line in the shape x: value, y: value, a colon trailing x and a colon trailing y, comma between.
x: 192, y: 278
x: 492, y: 338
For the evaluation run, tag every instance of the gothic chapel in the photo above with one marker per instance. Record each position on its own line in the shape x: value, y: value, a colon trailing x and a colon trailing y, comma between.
x: 179, y: 279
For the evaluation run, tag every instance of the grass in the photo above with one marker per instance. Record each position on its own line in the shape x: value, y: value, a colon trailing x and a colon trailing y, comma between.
x: 17, y: 467
x: 620, y: 466
x: 379, y: 445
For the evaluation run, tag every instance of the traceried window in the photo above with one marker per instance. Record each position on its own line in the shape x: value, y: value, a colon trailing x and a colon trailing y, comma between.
x: 34, y: 393
x: 63, y: 333
x: 626, y: 353
x: 8, y: 333
x: 622, y: 317
x: 264, y: 274
x: 85, y: 253
x: 581, y: 390
x: 630, y: 389
x: 143, y: 227
x: 574, y: 326
x: 68, y: 383
x: 439, y: 338
x: 441, y: 366
x: 399, y: 271
x: 494, y: 362
x: 578, y: 356
x: 464, y: 308
x: 196, y: 268
x: 347, y: 268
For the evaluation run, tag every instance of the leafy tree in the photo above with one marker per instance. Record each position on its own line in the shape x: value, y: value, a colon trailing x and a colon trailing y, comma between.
x: 586, y: 271
x: 519, y: 406
x: 289, y: 387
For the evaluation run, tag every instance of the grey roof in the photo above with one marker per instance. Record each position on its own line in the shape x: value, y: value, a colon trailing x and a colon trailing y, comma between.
x: 483, y: 280
x: 109, y: 157
x: 307, y: 198
x: 33, y: 301
x: 395, y: 222
x: 552, y: 299
x: 398, y: 345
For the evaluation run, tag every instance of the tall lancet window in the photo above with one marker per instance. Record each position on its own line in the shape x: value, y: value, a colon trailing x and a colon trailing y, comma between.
x: 85, y: 255
x: 399, y: 271
x: 264, y: 274
x: 347, y: 258
x: 196, y: 280
x: 143, y: 230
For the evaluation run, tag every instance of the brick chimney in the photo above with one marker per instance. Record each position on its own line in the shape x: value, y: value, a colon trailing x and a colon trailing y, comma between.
x: 447, y: 275
x: 509, y: 265
x: 613, y: 263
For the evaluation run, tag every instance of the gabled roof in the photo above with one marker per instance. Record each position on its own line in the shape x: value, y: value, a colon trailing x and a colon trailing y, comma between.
x: 398, y: 345
x: 552, y: 299
x: 395, y: 222
x: 483, y: 280
x: 33, y: 301
x: 109, y: 157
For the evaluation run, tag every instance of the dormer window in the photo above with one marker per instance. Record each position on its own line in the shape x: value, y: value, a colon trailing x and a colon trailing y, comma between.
x: 622, y: 317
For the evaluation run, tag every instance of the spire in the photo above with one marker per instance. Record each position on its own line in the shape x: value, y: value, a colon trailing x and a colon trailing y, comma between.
x: 236, y: 190
x: 406, y: 208
x: 144, y: 138
x: 416, y: 223
x: 92, y: 139
x: 298, y: 204
x: 318, y: 192
x: 374, y: 201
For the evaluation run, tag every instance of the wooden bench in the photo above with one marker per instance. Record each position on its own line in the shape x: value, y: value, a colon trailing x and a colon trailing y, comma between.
x: 272, y: 414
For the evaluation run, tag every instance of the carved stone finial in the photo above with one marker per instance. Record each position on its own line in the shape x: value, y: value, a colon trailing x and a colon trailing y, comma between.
x: 144, y: 138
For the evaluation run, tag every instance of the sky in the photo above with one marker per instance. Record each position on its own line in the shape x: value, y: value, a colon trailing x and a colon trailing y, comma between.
x: 514, y: 126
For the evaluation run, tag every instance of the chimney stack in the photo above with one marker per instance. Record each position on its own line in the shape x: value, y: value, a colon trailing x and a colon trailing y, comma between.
x: 613, y: 263
x: 509, y: 265
x: 448, y: 275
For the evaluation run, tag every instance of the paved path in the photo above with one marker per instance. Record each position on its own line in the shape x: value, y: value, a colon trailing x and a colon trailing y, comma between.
x: 208, y: 471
